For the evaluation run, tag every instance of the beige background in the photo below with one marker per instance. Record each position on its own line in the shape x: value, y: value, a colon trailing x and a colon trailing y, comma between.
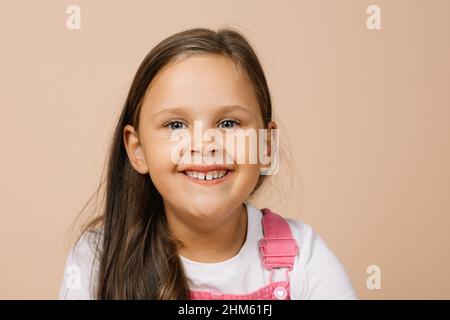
x: 364, y: 114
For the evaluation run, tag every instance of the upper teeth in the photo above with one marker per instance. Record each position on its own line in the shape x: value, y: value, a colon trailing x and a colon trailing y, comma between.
x: 210, y: 175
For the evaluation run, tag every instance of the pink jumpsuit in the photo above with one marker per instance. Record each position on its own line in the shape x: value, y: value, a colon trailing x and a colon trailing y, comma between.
x: 278, y: 249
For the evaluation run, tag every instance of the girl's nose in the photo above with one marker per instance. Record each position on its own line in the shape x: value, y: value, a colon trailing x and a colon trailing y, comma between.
x: 203, y: 146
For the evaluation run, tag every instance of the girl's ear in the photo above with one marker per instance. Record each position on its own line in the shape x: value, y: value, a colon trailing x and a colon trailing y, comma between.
x: 134, y: 149
x: 270, y: 125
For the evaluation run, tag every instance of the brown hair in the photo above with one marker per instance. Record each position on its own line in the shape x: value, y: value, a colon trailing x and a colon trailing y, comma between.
x: 138, y: 257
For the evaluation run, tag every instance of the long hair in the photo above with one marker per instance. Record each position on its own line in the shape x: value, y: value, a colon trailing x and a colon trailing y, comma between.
x: 138, y: 257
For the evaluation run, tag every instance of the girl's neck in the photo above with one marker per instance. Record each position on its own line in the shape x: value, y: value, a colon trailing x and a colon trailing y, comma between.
x: 209, y: 241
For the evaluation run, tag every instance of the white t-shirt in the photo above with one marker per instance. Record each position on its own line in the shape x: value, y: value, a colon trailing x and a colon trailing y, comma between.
x: 317, y: 272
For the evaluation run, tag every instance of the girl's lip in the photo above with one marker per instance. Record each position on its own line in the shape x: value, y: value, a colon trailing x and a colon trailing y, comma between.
x: 206, y: 168
x: 210, y: 182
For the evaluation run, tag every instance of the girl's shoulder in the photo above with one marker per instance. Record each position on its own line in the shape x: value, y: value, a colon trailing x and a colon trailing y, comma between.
x: 317, y: 273
x: 81, y: 267
x: 303, y: 232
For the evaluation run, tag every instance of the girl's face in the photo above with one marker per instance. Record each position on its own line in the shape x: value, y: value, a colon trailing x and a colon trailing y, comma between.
x: 207, y: 88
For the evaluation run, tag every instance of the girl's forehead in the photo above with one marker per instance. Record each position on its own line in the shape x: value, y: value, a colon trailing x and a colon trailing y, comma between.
x: 203, y: 80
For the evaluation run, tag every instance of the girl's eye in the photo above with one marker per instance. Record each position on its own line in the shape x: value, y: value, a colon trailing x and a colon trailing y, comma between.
x: 228, y: 124
x: 175, y: 125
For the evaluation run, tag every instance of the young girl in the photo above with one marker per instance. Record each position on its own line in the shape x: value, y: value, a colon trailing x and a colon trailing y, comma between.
x: 185, y: 230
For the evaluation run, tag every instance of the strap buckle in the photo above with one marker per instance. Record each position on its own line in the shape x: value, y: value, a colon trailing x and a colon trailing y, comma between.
x: 278, y: 252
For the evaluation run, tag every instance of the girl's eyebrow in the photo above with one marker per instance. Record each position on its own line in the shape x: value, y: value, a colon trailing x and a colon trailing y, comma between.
x: 183, y: 110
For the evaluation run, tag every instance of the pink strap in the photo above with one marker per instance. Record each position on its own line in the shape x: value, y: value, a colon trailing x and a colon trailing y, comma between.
x: 278, y: 248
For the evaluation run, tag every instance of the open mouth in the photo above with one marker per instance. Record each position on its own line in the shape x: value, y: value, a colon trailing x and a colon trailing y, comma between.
x: 207, y: 176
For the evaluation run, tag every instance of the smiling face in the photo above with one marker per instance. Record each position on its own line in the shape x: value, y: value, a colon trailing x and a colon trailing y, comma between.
x: 211, y: 89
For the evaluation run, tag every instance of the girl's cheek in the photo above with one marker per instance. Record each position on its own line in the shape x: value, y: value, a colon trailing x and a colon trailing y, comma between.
x: 244, y: 154
x: 158, y: 151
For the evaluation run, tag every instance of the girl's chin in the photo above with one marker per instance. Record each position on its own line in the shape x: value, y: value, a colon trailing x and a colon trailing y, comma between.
x: 207, y: 207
